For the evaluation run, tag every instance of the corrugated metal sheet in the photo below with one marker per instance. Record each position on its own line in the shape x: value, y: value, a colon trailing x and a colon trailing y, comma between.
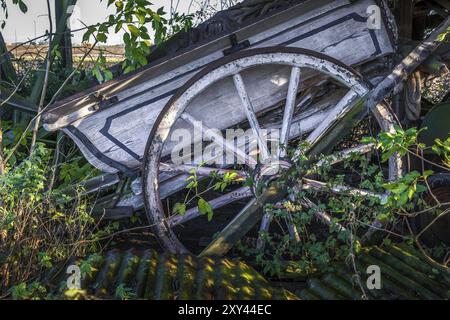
x: 405, y: 274
x: 151, y: 275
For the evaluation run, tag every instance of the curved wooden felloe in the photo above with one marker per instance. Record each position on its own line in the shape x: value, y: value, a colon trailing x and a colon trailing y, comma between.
x: 320, y: 138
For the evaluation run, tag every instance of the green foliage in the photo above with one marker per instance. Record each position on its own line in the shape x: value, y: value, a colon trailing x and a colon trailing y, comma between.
x: 124, y: 293
x: 205, y: 208
x: 404, y: 189
x: 132, y: 17
x: 74, y: 170
x: 350, y: 214
x: 100, y: 70
x: 219, y: 183
x: 44, y: 260
x: 87, y: 265
x: 22, y: 6
x: 395, y: 142
x: 227, y: 179
x: 405, y: 142
x: 13, y: 135
x: 33, y: 291
x: 444, y: 35
x: 442, y: 148
x: 38, y: 227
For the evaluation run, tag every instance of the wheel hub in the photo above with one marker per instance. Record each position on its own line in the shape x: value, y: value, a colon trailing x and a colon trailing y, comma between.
x: 267, y: 172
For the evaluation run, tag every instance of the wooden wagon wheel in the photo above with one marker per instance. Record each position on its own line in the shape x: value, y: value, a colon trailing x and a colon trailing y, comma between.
x: 234, y: 69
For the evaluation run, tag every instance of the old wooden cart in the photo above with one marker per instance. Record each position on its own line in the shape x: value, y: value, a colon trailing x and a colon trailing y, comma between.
x: 293, y: 70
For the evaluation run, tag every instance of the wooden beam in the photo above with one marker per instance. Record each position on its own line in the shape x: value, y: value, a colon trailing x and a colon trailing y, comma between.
x: 7, y: 70
x: 401, y: 72
x: 65, y: 44
x: 243, y: 222
x: 409, y: 64
x: 16, y: 101
x: 57, y: 38
x: 443, y: 3
x: 405, y: 18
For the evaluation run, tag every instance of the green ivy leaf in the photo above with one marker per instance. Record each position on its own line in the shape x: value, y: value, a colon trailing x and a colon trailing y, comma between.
x: 204, y: 207
x: 23, y: 7
x: 179, y: 208
x: 101, y: 37
x: 134, y: 30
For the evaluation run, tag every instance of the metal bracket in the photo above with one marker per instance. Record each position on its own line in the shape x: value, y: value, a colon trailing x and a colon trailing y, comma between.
x: 103, y: 102
x: 235, y: 45
x: 106, y: 103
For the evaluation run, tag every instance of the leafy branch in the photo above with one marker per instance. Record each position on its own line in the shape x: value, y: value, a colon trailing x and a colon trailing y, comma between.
x: 133, y: 17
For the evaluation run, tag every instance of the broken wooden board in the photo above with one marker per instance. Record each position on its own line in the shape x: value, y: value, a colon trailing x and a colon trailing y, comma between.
x: 112, y: 133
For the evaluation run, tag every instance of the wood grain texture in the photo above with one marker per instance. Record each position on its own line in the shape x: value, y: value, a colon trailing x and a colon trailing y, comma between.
x: 120, y: 132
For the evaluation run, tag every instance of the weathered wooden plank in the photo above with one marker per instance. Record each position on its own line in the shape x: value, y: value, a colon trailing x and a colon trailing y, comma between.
x: 192, y: 58
x: 409, y: 64
x: 93, y: 185
x: 16, y: 101
x: 56, y: 39
x: 120, y: 132
x: 242, y: 223
x: 219, y: 202
x: 302, y: 123
x: 62, y: 7
x: 7, y: 70
x: 405, y: 18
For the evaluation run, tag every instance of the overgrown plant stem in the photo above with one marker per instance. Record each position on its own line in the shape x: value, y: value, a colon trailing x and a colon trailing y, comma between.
x: 44, y: 88
x: 55, y: 96
x: 2, y: 163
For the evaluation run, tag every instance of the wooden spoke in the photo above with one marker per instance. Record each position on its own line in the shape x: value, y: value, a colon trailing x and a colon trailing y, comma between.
x: 292, y: 228
x: 326, y: 120
x: 216, y: 203
x: 199, y: 170
x: 374, y: 227
x: 235, y: 230
x: 320, y: 215
x: 341, y: 108
x: 219, y: 140
x: 318, y: 185
x: 243, y: 222
x: 263, y: 230
x: 289, y: 110
x: 347, y: 153
x: 299, y: 126
x: 250, y: 113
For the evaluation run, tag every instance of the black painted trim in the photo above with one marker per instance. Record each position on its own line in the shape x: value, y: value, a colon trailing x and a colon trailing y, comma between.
x: 105, y: 129
x: 109, y: 120
x: 98, y: 154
